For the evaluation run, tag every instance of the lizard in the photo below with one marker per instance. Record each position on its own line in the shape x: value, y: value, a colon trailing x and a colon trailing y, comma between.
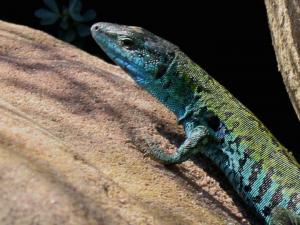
x: 259, y: 168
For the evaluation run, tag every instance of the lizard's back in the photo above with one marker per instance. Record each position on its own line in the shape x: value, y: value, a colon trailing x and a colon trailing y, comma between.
x: 261, y: 170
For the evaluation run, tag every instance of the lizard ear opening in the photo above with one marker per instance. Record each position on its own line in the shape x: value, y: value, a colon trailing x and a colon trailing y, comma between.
x: 161, y: 70
x: 164, y: 67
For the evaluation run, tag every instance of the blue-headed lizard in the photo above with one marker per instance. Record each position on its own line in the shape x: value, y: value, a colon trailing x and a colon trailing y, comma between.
x: 260, y: 169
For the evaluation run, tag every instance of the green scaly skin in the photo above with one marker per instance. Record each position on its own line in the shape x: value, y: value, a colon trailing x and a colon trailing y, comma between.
x: 260, y: 169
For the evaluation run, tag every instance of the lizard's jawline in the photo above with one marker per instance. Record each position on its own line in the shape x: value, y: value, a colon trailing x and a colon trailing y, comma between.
x: 132, y: 69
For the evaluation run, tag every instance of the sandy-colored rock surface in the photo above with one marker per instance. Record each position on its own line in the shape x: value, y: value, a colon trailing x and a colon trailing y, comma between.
x: 284, y: 23
x: 72, y: 136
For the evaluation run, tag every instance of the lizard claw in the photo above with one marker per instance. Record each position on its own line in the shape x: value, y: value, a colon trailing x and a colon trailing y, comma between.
x: 147, y: 154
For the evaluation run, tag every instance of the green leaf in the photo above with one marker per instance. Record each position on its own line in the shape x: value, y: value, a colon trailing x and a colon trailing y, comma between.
x: 47, y: 17
x: 52, y: 5
x: 89, y: 15
x: 83, y: 30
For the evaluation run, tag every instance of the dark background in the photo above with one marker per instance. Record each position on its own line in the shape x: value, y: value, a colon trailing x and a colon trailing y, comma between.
x: 230, y: 40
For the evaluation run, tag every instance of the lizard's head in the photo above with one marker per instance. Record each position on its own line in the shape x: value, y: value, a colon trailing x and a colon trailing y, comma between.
x: 144, y: 55
x: 150, y: 60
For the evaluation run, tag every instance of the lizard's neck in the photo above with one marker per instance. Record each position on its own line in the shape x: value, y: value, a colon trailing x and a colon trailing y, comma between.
x: 187, y: 83
x: 174, y: 89
x: 181, y: 86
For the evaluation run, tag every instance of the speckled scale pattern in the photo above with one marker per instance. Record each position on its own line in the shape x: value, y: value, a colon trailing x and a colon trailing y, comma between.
x: 260, y: 169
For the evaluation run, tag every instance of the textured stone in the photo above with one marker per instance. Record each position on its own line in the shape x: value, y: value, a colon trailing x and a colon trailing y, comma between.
x: 72, y: 136
x: 284, y: 23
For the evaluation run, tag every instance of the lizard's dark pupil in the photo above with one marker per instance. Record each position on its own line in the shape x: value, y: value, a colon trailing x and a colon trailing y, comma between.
x: 127, y: 43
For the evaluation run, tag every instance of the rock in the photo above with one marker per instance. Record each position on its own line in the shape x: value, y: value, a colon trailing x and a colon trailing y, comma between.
x: 284, y: 23
x: 72, y: 136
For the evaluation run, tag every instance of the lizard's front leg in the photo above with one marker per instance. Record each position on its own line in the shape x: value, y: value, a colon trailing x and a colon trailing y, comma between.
x: 196, y: 140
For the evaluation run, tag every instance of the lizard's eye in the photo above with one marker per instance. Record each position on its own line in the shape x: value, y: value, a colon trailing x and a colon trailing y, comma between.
x: 126, y: 43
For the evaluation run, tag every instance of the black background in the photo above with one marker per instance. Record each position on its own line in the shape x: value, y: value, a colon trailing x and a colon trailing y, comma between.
x: 229, y: 39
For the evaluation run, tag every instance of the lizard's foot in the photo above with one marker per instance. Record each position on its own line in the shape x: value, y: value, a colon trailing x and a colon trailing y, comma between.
x: 281, y: 216
x: 158, y: 154
x: 195, y: 142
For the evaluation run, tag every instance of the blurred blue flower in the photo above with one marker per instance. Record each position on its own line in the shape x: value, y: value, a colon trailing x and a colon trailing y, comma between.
x: 71, y: 20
